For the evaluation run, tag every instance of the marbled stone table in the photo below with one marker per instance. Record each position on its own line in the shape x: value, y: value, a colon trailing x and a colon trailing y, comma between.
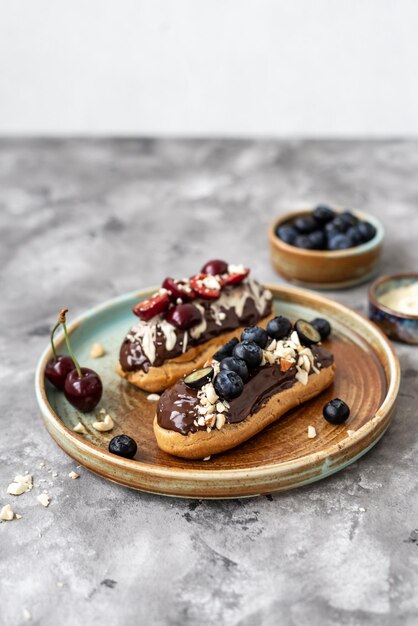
x: 82, y: 221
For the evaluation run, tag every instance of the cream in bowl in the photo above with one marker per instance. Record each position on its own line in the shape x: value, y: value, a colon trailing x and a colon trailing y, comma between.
x: 393, y: 306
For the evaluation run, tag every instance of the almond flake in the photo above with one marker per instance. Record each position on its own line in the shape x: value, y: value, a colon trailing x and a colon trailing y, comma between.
x: 211, y: 394
x: 311, y: 432
x: 97, y: 351
x: 43, y: 499
x: 302, y: 377
x: 80, y: 428
x: 220, y: 421
x: 7, y: 514
x: 207, y: 458
x: 21, y: 484
x: 220, y: 407
x: 73, y: 475
x: 104, y: 426
x: 153, y: 397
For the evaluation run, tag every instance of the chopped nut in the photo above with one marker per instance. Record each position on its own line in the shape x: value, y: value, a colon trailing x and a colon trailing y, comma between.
x: 104, y: 426
x: 17, y: 516
x: 311, y: 432
x: 211, y: 394
x: 79, y: 428
x: 73, y: 475
x: 302, y: 376
x: 220, y: 421
x: 153, y: 397
x: 207, y: 458
x: 21, y: 484
x: 102, y: 411
x: 210, y: 421
x: 44, y: 499
x: 220, y: 407
x: 201, y: 421
x: 285, y: 365
x: 7, y: 514
x: 97, y: 351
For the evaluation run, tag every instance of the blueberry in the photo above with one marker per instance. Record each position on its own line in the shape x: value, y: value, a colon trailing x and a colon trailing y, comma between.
x: 249, y: 352
x: 307, y: 333
x: 234, y: 364
x: 354, y: 235
x: 336, y: 411
x: 256, y: 334
x: 122, y: 445
x: 305, y: 225
x: 318, y: 239
x: 279, y: 327
x: 226, y: 349
x: 228, y: 384
x: 287, y: 233
x: 367, y: 231
x: 303, y: 241
x: 322, y: 326
x: 323, y: 214
x: 338, y: 223
x: 339, y: 242
x: 349, y: 218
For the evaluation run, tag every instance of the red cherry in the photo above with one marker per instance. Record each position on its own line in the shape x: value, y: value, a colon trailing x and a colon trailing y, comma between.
x: 236, y: 278
x: 215, y: 267
x: 178, y: 289
x: 83, y: 392
x: 153, y: 306
x: 205, y: 286
x: 57, y: 369
x: 184, y: 316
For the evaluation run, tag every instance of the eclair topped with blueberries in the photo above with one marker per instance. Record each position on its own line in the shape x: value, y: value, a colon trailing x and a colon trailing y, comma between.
x: 185, y: 316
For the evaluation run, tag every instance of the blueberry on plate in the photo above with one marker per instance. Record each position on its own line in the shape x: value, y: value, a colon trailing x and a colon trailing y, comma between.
x: 226, y: 349
x: 339, y: 242
x: 256, y: 334
x: 307, y: 334
x: 318, y: 239
x: 234, y: 364
x: 228, y: 385
x: 250, y: 352
x: 305, y: 225
x: 322, y: 326
x: 349, y: 218
x: 122, y: 445
x: 287, y: 233
x: 279, y: 327
x: 336, y: 411
x: 367, y: 231
x: 198, y: 378
x: 303, y: 241
x: 323, y: 214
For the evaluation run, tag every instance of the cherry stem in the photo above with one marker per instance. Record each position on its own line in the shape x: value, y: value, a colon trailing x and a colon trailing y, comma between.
x: 61, y: 320
x: 54, y: 352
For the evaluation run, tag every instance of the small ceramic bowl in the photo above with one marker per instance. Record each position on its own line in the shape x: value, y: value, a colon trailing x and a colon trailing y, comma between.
x: 323, y: 269
x: 396, y: 325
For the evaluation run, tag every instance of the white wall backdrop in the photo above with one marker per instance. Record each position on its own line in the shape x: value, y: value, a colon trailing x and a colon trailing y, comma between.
x: 209, y: 67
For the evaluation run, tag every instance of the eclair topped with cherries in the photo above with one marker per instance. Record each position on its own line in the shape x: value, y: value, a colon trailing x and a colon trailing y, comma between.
x: 186, y: 320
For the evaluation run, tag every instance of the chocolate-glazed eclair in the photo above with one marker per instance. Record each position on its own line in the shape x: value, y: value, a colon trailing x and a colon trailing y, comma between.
x: 237, y: 396
x: 187, y: 320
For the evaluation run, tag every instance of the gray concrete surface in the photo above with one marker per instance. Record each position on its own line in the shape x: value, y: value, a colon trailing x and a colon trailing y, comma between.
x: 82, y: 221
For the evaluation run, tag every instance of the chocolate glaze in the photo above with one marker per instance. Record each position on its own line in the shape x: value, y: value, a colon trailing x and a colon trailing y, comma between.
x: 132, y: 357
x: 177, y: 406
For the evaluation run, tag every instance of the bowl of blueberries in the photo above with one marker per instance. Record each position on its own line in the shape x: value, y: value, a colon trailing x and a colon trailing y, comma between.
x: 326, y: 248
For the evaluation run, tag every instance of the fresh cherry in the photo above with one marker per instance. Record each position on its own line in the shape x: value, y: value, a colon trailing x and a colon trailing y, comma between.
x: 206, y: 286
x: 83, y: 387
x: 215, y: 267
x: 178, y: 289
x: 153, y: 306
x: 57, y: 369
x: 58, y: 366
x: 184, y: 316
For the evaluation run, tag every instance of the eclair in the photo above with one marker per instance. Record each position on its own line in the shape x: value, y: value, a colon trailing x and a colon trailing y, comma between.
x: 246, y: 386
x: 184, y: 323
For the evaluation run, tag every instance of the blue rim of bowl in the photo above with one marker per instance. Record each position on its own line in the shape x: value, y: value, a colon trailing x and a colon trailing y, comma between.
x: 373, y: 299
x: 375, y: 242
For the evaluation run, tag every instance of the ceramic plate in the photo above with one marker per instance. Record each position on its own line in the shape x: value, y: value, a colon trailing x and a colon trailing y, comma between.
x: 281, y: 457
